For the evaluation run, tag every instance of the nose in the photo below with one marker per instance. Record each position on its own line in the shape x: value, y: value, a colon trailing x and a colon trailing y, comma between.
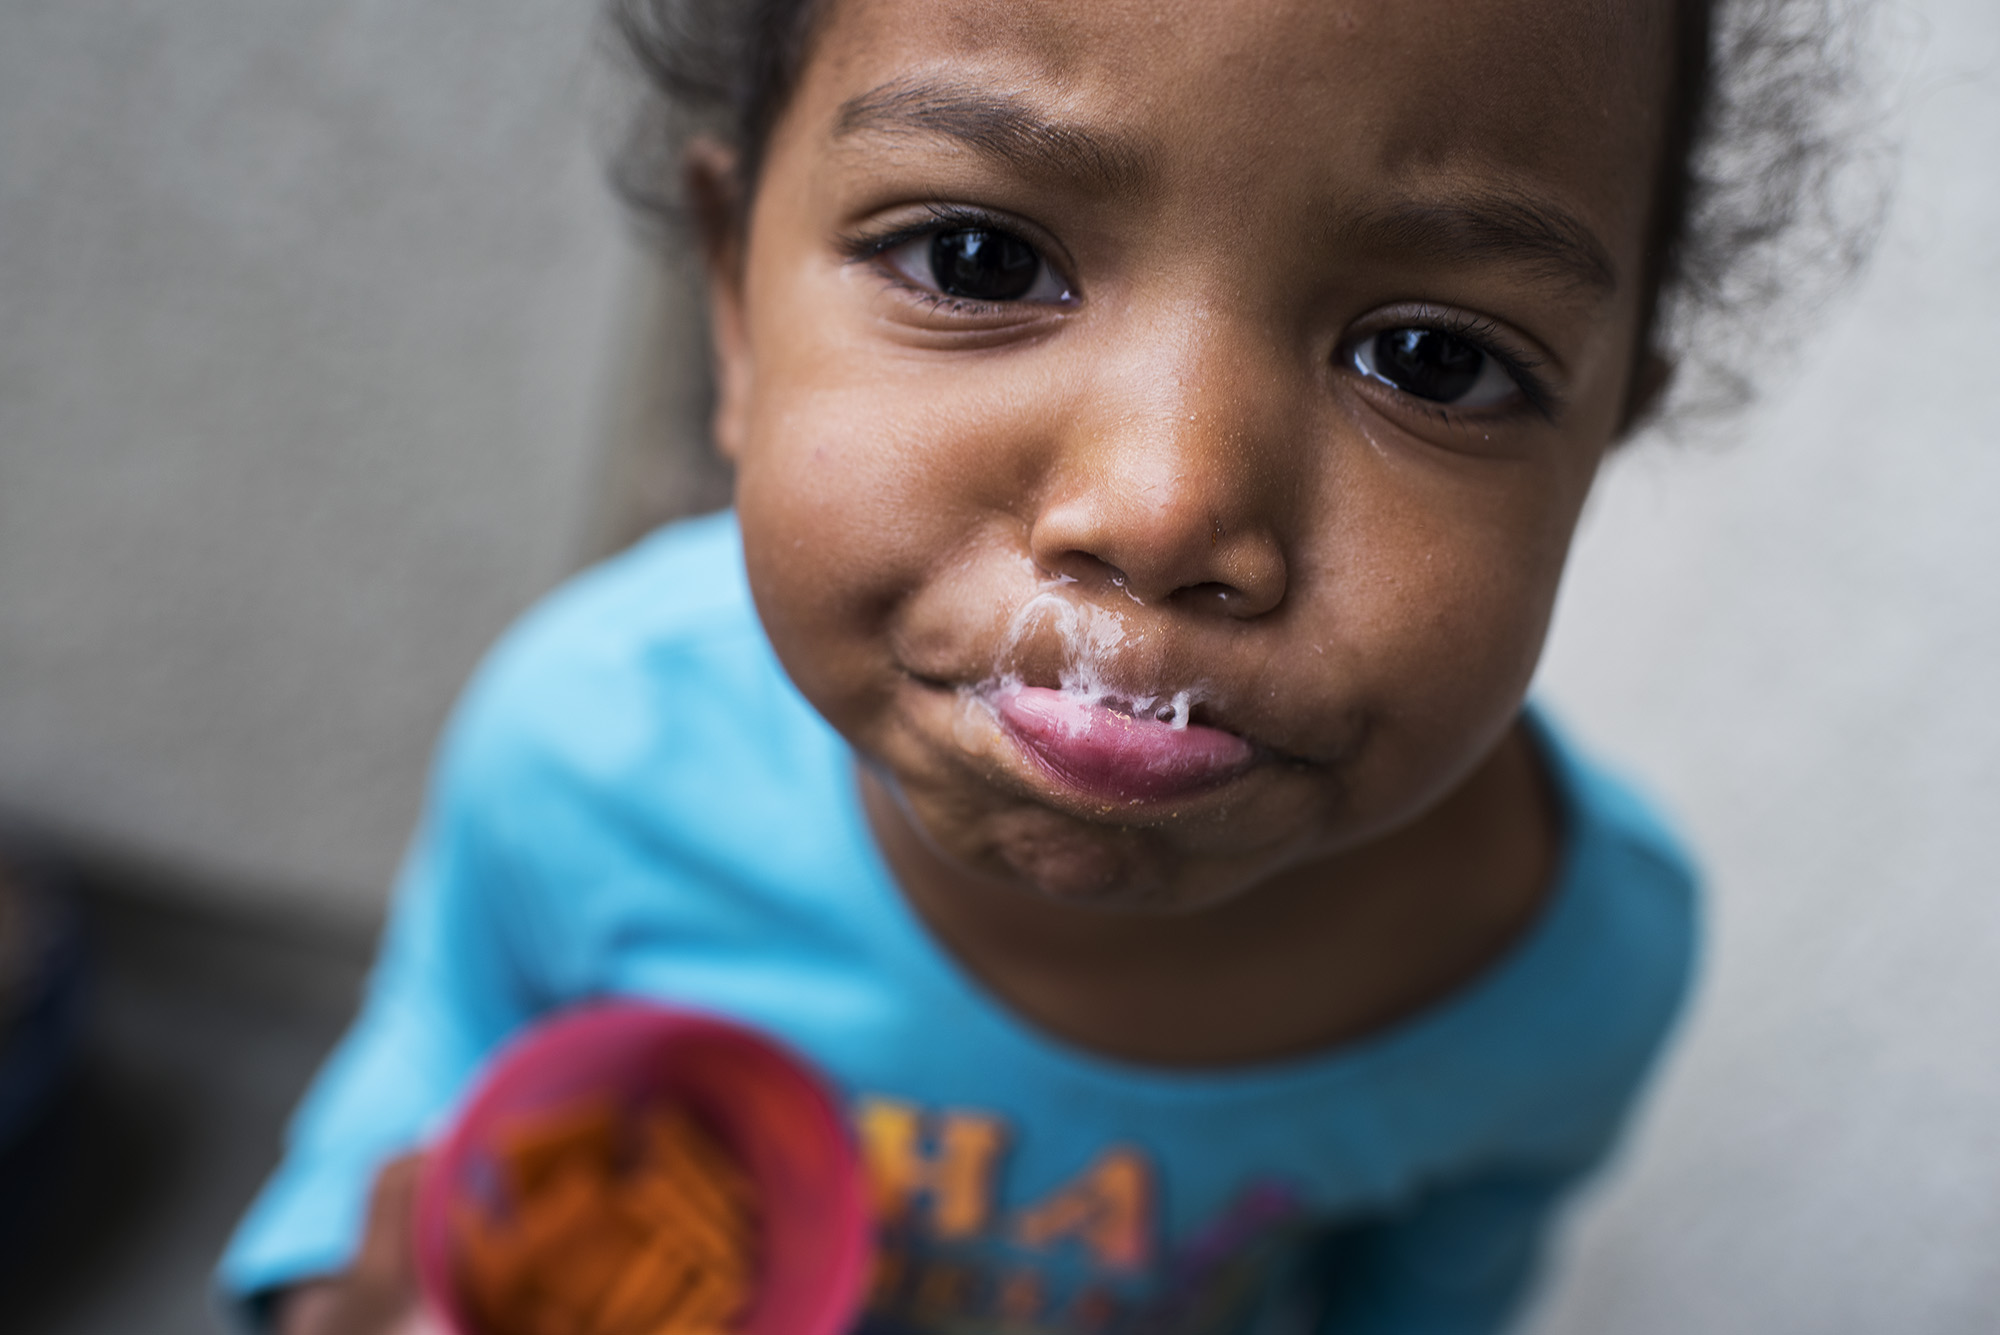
x: 1164, y: 486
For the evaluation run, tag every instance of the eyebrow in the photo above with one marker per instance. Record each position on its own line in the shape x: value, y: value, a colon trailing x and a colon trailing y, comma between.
x: 1530, y: 231
x: 1477, y: 227
x: 1004, y: 127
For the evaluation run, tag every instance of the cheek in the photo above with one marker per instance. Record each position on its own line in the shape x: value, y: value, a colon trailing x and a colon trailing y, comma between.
x: 861, y: 483
x: 1452, y: 600
x: 1429, y: 600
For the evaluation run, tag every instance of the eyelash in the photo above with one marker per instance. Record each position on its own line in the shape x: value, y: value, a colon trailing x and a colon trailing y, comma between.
x: 1521, y: 366
x: 867, y: 247
x: 1536, y: 392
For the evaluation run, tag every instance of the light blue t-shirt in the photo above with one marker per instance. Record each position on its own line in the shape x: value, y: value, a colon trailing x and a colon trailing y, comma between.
x: 634, y: 800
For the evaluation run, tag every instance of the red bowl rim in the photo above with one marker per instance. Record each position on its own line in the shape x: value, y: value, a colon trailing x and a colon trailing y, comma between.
x: 852, y: 1267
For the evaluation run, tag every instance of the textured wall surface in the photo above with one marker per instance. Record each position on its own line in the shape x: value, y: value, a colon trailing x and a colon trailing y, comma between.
x: 306, y: 312
x: 1794, y: 638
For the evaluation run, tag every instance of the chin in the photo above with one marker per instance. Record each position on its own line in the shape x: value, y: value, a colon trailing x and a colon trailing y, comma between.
x: 1092, y: 867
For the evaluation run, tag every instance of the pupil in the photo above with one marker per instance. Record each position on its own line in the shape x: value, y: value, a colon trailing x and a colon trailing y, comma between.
x: 983, y: 265
x: 1427, y: 363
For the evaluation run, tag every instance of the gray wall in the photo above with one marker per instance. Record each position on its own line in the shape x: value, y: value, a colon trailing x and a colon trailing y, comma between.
x: 305, y: 316
x: 1797, y: 640
x: 316, y: 335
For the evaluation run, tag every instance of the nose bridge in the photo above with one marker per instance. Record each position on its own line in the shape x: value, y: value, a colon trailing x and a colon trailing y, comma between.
x: 1167, y: 473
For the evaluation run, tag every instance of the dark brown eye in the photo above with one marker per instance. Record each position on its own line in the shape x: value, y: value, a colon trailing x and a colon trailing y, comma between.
x: 1436, y: 366
x: 981, y: 264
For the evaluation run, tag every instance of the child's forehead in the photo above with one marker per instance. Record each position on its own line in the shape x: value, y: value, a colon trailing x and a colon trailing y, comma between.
x: 1298, y: 92
x: 1536, y: 55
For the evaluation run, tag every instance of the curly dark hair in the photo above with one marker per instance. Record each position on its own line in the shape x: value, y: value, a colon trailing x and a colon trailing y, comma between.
x: 1765, y: 205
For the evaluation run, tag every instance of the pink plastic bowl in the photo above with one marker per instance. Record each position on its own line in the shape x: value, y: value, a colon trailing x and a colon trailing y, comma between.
x: 762, y: 1102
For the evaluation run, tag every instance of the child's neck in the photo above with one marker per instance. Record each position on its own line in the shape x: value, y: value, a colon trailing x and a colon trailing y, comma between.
x: 1317, y: 957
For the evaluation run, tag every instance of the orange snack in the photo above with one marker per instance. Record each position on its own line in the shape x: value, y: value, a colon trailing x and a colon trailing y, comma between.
x: 610, y: 1228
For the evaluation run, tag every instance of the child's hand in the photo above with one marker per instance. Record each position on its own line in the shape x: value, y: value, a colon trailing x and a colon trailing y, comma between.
x: 377, y: 1295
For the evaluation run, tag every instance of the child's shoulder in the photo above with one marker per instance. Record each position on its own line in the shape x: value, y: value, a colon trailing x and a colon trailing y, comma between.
x: 682, y: 585
x: 1541, y: 1057
x: 1608, y: 815
x: 1632, y: 892
x: 650, y: 654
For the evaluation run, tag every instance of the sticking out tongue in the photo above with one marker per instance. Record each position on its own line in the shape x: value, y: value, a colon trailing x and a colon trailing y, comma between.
x: 1116, y: 756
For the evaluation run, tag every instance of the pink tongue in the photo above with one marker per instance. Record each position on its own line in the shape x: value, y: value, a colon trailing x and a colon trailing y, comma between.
x: 1116, y: 755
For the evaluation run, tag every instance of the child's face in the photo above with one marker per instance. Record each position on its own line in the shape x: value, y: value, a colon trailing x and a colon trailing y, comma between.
x: 1089, y: 366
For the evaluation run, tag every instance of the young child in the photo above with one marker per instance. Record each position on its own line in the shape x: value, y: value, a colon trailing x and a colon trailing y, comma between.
x: 1096, y: 737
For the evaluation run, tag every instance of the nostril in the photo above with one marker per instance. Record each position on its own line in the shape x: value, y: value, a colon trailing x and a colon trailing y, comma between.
x: 1213, y: 596
x: 1087, y: 568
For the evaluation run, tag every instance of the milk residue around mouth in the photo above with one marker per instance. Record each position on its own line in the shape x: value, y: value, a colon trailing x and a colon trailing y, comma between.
x: 1092, y: 638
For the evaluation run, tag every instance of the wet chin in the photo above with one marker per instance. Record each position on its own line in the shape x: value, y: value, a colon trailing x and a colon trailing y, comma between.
x: 1086, y: 866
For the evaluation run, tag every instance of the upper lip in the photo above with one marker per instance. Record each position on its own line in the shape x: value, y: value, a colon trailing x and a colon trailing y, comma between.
x: 1160, y: 654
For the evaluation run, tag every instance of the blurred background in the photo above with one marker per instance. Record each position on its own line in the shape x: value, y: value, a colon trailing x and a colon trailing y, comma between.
x: 324, y: 350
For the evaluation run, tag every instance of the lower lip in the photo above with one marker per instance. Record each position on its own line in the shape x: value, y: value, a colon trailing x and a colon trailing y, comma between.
x: 1114, y: 756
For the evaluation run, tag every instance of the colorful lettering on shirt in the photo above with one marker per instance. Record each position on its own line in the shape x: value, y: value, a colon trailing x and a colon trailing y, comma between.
x: 950, y: 1259
x: 1109, y: 1208
x: 955, y: 1176
x: 1085, y: 1258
